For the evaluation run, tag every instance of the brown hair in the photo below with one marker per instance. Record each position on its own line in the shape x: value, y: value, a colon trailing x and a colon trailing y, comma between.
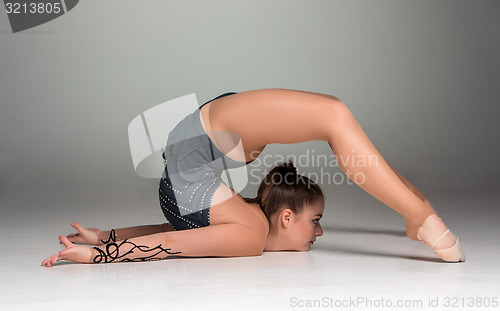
x: 283, y: 187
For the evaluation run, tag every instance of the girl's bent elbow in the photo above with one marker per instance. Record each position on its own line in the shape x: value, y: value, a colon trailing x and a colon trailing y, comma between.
x: 256, y: 252
x: 257, y: 247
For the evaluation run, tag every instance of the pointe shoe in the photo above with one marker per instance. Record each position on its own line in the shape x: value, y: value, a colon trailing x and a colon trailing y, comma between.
x: 450, y: 254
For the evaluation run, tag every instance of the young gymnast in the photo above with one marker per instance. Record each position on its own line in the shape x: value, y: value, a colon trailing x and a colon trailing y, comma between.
x: 207, y: 218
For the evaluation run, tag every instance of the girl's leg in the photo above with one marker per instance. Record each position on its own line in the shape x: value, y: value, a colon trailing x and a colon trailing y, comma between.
x: 365, y: 166
x: 408, y: 185
x: 412, y: 188
x: 261, y: 117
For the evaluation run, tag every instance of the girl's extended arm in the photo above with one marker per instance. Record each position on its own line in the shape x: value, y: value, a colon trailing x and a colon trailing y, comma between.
x: 114, y: 235
x: 95, y: 236
x: 221, y: 240
x: 140, y: 248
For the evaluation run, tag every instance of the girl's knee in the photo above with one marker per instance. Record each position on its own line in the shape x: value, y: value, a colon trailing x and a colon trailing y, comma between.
x: 339, y: 116
x: 339, y: 110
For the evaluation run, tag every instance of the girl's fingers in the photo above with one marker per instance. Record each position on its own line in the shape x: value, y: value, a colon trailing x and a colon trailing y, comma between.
x: 60, y: 255
x: 53, y: 259
x: 57, y: 257
x: 77, y: 226
x: 48, y: 262
x: 74, y: 240
x: 73, y: 237
x: 65, y: 241
x: 45, y: 261
x: 69, y: 237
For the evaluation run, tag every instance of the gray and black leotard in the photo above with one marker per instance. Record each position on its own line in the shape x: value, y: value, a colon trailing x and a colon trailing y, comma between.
x: 193, y: 170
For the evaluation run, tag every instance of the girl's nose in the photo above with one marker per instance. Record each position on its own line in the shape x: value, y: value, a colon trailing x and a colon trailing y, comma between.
x: 319, y: 230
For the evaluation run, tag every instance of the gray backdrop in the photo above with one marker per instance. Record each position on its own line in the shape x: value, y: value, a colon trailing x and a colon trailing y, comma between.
x: 421, y: 77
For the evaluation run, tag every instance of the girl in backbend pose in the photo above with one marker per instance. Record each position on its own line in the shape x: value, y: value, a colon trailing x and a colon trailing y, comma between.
x: 207, y: 218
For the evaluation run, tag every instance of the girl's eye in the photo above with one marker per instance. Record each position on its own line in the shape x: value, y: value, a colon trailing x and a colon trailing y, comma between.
x: 316, y: 221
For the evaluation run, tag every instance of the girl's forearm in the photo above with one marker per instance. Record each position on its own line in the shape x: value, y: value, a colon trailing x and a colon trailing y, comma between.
x: 114, y: 235
x: 142, y: 248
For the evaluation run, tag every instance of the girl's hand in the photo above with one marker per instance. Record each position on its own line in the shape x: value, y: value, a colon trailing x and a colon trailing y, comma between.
x: 76, y: 253
x: 84, y: 235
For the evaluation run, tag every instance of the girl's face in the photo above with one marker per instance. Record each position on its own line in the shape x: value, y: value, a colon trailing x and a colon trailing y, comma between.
x: 304, y: 228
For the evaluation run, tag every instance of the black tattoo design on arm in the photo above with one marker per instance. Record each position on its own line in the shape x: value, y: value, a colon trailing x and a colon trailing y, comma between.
x: 112, y: 237
x: 112, y: 252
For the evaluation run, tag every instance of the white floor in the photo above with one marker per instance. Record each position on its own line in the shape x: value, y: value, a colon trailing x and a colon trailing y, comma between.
x: 364, y: 261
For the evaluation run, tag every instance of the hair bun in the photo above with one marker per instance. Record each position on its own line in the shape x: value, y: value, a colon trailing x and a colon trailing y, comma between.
x: 287, y: 167
x: 283, y: 187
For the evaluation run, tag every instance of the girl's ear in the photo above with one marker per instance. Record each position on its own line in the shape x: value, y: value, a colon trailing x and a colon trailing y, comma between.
x: 286, y: 217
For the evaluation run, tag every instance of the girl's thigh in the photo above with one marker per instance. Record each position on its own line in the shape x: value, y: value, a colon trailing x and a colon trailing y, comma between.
x: 266, y: 116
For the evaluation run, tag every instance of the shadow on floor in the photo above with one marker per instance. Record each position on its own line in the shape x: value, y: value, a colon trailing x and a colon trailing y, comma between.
x: 339, y: 229
x: 354, y: 251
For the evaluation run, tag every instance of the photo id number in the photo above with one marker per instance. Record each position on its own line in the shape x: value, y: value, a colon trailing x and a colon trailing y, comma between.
x: 33, y: 8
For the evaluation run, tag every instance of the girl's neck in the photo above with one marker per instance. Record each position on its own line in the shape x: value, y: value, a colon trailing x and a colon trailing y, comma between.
x: 273, y: 243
